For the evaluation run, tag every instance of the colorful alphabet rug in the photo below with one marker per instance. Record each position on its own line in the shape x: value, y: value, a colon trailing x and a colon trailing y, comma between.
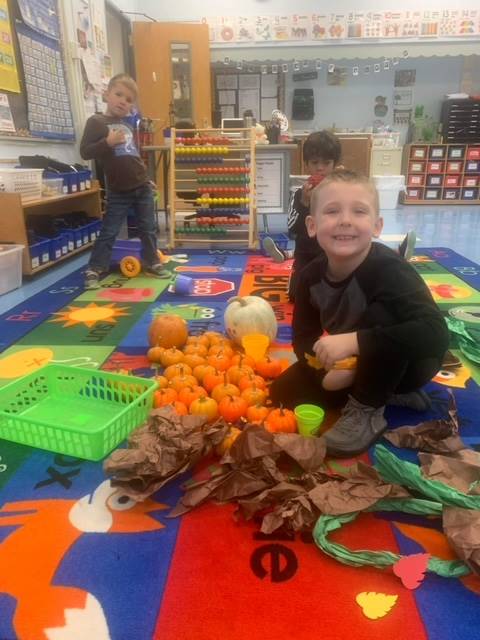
x: 81, y: 561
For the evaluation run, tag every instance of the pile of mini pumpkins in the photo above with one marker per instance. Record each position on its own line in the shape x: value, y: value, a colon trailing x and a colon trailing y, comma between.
x: 209, y: 375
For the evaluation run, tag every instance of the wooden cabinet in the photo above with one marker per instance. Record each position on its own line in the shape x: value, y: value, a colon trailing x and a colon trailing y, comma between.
x: 442, y: 173
x: 15, y: 215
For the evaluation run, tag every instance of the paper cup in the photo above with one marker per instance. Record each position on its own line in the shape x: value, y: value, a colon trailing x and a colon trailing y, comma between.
x: 183, y: 285
x: 309, y: 419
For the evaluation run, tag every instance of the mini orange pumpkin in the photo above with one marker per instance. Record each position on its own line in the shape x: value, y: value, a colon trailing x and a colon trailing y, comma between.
x: 180, y: 408
x: 210, y: 380
x: 232, y: 408
x: 257, y: 413
x: 269, y: 368
x: 184, y: 380
x: 168, y: 330
x: 201, y: 370
x: 179, y: 369
x: 201, y: 339
x: 206, y: 407
x: 162, y: 397
x: 188, y: 394
x: 227, y: 442
x: 236, y: 372
x: 171, y: 356
x: 222, y: 348
x: 162, y: 382
x: 224, y: 389
x: 281, y: 421
x: 154, y: 354
x: 254, y: 395
x: 193, y: 360
x: 197, y: 349
x: 250, y: 380
x: 213, y: 337
x: 220, y: 361
x: 242, y: 359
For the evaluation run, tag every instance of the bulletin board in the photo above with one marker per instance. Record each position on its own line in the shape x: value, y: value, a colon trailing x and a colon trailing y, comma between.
x: 42, y: 106
x: 236, y: 91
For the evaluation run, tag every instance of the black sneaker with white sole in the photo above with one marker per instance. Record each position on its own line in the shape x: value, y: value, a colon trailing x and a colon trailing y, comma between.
x: 272, y: 250
x: 92, y: 279
x: 157, y: 270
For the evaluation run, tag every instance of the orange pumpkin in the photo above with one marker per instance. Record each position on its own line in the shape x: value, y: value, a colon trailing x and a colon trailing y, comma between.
x: 193, y: 360
x: 242, y: 359
x: 254, y: 395
x: 236, y: 372
x: 210, y: 380
x: 171, y: 356
x: 183, y: 380
x: 257, y: 413
x: 281, y: 421
x: 227, y: 442
x: 232, y: 408
x: 201, y: 339
x: 180, y: 408
x: 201, y: 370
x: 154, y: 354
x: 220, y: 361
x: 197, y: 349
x: 167, y: 330
x: 250, y: 380
x: 188, y: 394
x: 222, y: 348
x: 224, y: 389
x: 162, y: 382
x: 162, y: 397
x: 178, y: 369
x: 269, y: 368
x: 214, y: 337
x: 206, y: 407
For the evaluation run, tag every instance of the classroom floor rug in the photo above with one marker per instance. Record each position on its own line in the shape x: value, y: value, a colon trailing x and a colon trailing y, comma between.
x: 80, y: 561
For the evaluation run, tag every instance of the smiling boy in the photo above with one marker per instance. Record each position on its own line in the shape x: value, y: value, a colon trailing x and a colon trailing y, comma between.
x: 359, y: 300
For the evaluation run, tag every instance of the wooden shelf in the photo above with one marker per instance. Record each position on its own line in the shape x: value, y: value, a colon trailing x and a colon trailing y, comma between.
x: 70, y: 196
x: 14, y: 226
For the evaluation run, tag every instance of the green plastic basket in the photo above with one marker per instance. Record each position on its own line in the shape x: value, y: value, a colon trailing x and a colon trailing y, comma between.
x: 79, y: 412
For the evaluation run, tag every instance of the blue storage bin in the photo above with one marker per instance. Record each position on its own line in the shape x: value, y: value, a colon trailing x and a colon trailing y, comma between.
x: 280, y: 239
x: 78, y: 237
x: 70, y: 180
x: 86, y: 233
x: 39, y: 252
x: 84, y: 179
x: 64, y: 243
x: 70, y: 240
x: 55, y: 248
x: 94, y: 230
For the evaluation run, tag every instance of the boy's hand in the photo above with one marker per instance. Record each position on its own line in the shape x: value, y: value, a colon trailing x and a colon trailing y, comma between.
x: 115, y: 136
x: 330, y: 349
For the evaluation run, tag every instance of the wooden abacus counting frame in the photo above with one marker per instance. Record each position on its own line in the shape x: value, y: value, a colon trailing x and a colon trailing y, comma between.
x: 208, y: 166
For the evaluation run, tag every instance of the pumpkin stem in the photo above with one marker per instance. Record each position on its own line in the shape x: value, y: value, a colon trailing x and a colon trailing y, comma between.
x: 238, y: 299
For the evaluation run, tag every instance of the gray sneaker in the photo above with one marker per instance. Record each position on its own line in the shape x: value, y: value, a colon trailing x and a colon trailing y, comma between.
x: 157, y: 270
x: 356, y: 430
x: 417, y: 400
x: 270, y: 248
x: 92, y: 279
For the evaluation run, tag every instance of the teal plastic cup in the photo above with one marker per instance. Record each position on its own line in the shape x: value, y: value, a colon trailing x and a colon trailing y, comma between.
x: 309, y: 419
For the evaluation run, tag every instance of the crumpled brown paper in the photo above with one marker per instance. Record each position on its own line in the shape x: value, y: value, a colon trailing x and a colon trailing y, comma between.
x: 460, y: 470
x: 462, y: 529
x: 259, y: 474
x: 161, y: 449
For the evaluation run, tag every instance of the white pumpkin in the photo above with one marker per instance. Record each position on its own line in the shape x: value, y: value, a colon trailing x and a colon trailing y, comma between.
x: 249, y: 314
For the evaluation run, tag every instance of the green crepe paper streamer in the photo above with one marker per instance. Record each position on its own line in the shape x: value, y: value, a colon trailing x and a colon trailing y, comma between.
x: 381, y: 559
x: 467, y: 339
x: 397, y: 471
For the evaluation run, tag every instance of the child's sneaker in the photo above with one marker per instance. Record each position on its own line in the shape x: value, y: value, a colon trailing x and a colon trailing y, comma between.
x: 407, y: 246
x: 417, y: 400
x: 272, y: 250
x: 157, y: 270
x: 92, y: 279
x: 356, y: 430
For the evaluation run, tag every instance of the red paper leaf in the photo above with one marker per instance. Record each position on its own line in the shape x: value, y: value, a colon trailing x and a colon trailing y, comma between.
x: 411, y: 569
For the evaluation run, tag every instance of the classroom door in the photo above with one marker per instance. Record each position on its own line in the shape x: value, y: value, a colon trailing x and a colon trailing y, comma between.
x: 172, y: 62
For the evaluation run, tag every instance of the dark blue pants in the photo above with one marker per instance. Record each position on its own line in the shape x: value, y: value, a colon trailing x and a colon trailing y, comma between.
x: 119, y: 204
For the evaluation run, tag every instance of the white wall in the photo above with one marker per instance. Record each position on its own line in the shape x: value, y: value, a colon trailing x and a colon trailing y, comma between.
x: 351, y: 106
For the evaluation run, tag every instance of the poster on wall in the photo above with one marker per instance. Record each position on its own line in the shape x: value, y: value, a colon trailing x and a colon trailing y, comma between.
x: 319, y: 26
x: 392, y: 24
x: 8, y: 65
x: 245, y: 29
x: 49, y: 111
x: 6, y: 119
x: 301, y: 27
x: 356, y: 24
x: 263, y: 29
x: 42, y: 16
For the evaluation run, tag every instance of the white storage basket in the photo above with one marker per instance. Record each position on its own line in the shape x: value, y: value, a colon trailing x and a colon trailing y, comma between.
x: 26, y: 182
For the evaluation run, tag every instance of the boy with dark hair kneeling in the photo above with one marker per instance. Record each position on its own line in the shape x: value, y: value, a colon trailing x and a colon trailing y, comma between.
x: 359, y: 300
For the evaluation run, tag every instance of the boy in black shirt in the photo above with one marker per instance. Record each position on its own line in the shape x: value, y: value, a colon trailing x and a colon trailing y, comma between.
x: 359, y: 300
x: 109, y: 138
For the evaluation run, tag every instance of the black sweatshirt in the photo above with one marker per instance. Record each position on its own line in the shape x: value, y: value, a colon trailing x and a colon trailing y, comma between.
x: 384, y: 300
x: 124, y: 169
x: 306, y: 248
